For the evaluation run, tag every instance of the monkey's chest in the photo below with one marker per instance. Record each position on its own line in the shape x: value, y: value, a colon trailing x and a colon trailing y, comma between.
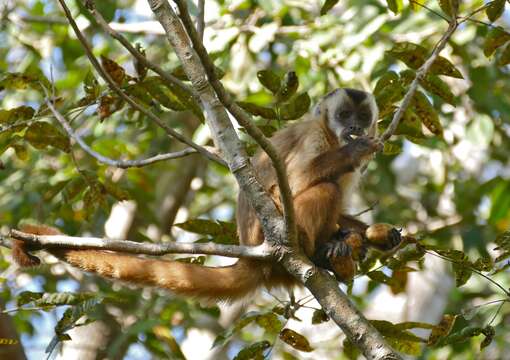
x: 348, y: 184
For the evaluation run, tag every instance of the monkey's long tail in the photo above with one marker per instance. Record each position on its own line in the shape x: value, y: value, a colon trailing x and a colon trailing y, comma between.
x: 225, y: 283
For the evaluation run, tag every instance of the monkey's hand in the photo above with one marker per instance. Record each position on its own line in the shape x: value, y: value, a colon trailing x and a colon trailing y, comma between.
x: 340, y: 254
x: 362, y: 147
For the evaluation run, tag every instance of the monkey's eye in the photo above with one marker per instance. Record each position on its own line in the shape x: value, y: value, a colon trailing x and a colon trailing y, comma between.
x: 364, y: 117
x: 344, y: 114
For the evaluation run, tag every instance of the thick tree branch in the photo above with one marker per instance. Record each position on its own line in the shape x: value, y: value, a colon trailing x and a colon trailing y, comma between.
x: 88, y: 51
x: 245, y: 120
x: 334, y: 301
x: 125, y: 246
x: 223, y: 132
x: 420, y: 74
x: 123, y: 164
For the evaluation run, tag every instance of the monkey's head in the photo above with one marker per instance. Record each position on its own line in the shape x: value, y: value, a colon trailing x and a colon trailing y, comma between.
x: 348, y: 113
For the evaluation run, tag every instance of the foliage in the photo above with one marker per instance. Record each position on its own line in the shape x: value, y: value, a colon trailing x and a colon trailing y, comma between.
x: 444, y: 176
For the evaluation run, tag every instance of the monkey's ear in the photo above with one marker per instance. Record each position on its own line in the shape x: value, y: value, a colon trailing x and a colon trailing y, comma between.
x: 321, y: 110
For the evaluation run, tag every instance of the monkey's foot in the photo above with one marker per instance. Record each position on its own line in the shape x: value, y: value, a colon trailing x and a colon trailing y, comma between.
x: 395, y: 237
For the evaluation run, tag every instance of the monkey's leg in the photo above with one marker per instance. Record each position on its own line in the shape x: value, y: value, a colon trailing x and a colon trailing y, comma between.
x: 317, y: 210
x: 350, y: 223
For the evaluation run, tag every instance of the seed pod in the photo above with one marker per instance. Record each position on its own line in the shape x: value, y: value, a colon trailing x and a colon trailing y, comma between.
x: 383, y: 236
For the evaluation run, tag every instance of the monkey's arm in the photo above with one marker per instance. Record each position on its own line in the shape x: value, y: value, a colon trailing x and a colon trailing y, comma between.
x: 330, y: 165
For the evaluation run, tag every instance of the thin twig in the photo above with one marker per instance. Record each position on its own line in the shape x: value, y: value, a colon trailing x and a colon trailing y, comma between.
x: 168, y: 78
x: 123, y: 164
x: 125, y: 246
x: 245, y: 120
x: 430, y: 10
x: 488, y: 278
x: 88, y: 51
x: 420, y: 74
x: 370, y: 208
x: 200, y: 19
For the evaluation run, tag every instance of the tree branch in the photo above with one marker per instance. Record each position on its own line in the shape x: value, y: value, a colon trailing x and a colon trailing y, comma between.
x: 420, y: 74
x: 335, y: 302
x: 224, y: 134
x: 200, y: 19
x: 170, y: 80
x: 123, y: 164
x: 88, y: 51
x: 245, y: 120
x: 262, y: 251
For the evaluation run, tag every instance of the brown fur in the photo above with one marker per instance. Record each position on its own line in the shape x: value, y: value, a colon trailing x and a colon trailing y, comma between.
x: 321, y: 172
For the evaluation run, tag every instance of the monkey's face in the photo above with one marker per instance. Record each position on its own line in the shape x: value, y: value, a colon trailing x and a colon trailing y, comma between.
x: 349, y: 113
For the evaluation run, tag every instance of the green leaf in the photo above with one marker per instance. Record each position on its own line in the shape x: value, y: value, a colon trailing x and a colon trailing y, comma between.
x: 262, y: 111
x: 395, y: 6
x: 389, y: 91
x: 53, y: 299
x: 208, y: 227
x: 441, y: 330
x: 328, y: 5
x: 295, y: 108
x: 69, y: 319
x: 392, y: 148
x: 288, y: 87
x: 388, y: 78
x: 319, y: 316
x: 269, y: 322
x: 495, y: 9
x: 16, y: 114
x: 414, y: 56
x: 462, y: 273
x: 405, y: 346
x: 42, y: 134
x: 21, y: 151
x: 269, y: 80
x: 426, y: 112
x: 254, y: 351
x: 450, y: 7
x: 390, y: 330
x: 91, y: 86
x: 433, y: 84
x: 504, y: 58
x: 156, y: 88
x: 495, y: 38
x: 21, y: 81
x: 296, y: 340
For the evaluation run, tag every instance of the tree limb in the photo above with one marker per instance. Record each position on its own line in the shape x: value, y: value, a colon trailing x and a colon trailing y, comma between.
x: 245, y: 120
x: 168, y: 78
x: 262, y: 251
x: 420, y: 74
x: 200, y: 19
x: 88, y: 51
x: 335, y: 302
x: 123, y: 164
x: 224, y: 134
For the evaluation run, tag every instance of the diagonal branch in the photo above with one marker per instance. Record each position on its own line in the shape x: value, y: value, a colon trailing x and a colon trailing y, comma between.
x: 245, y: 120
x: 224, y: 134
x: 125, y: 246
x: 420, y: 74
x: 88, y: 51
x: 323, y: 286
x: 170, y: 80
x: 123, y: 164
x: 200, y: 19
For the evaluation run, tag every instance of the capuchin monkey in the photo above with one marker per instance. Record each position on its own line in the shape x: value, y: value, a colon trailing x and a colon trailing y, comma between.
x: 324, y: 154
